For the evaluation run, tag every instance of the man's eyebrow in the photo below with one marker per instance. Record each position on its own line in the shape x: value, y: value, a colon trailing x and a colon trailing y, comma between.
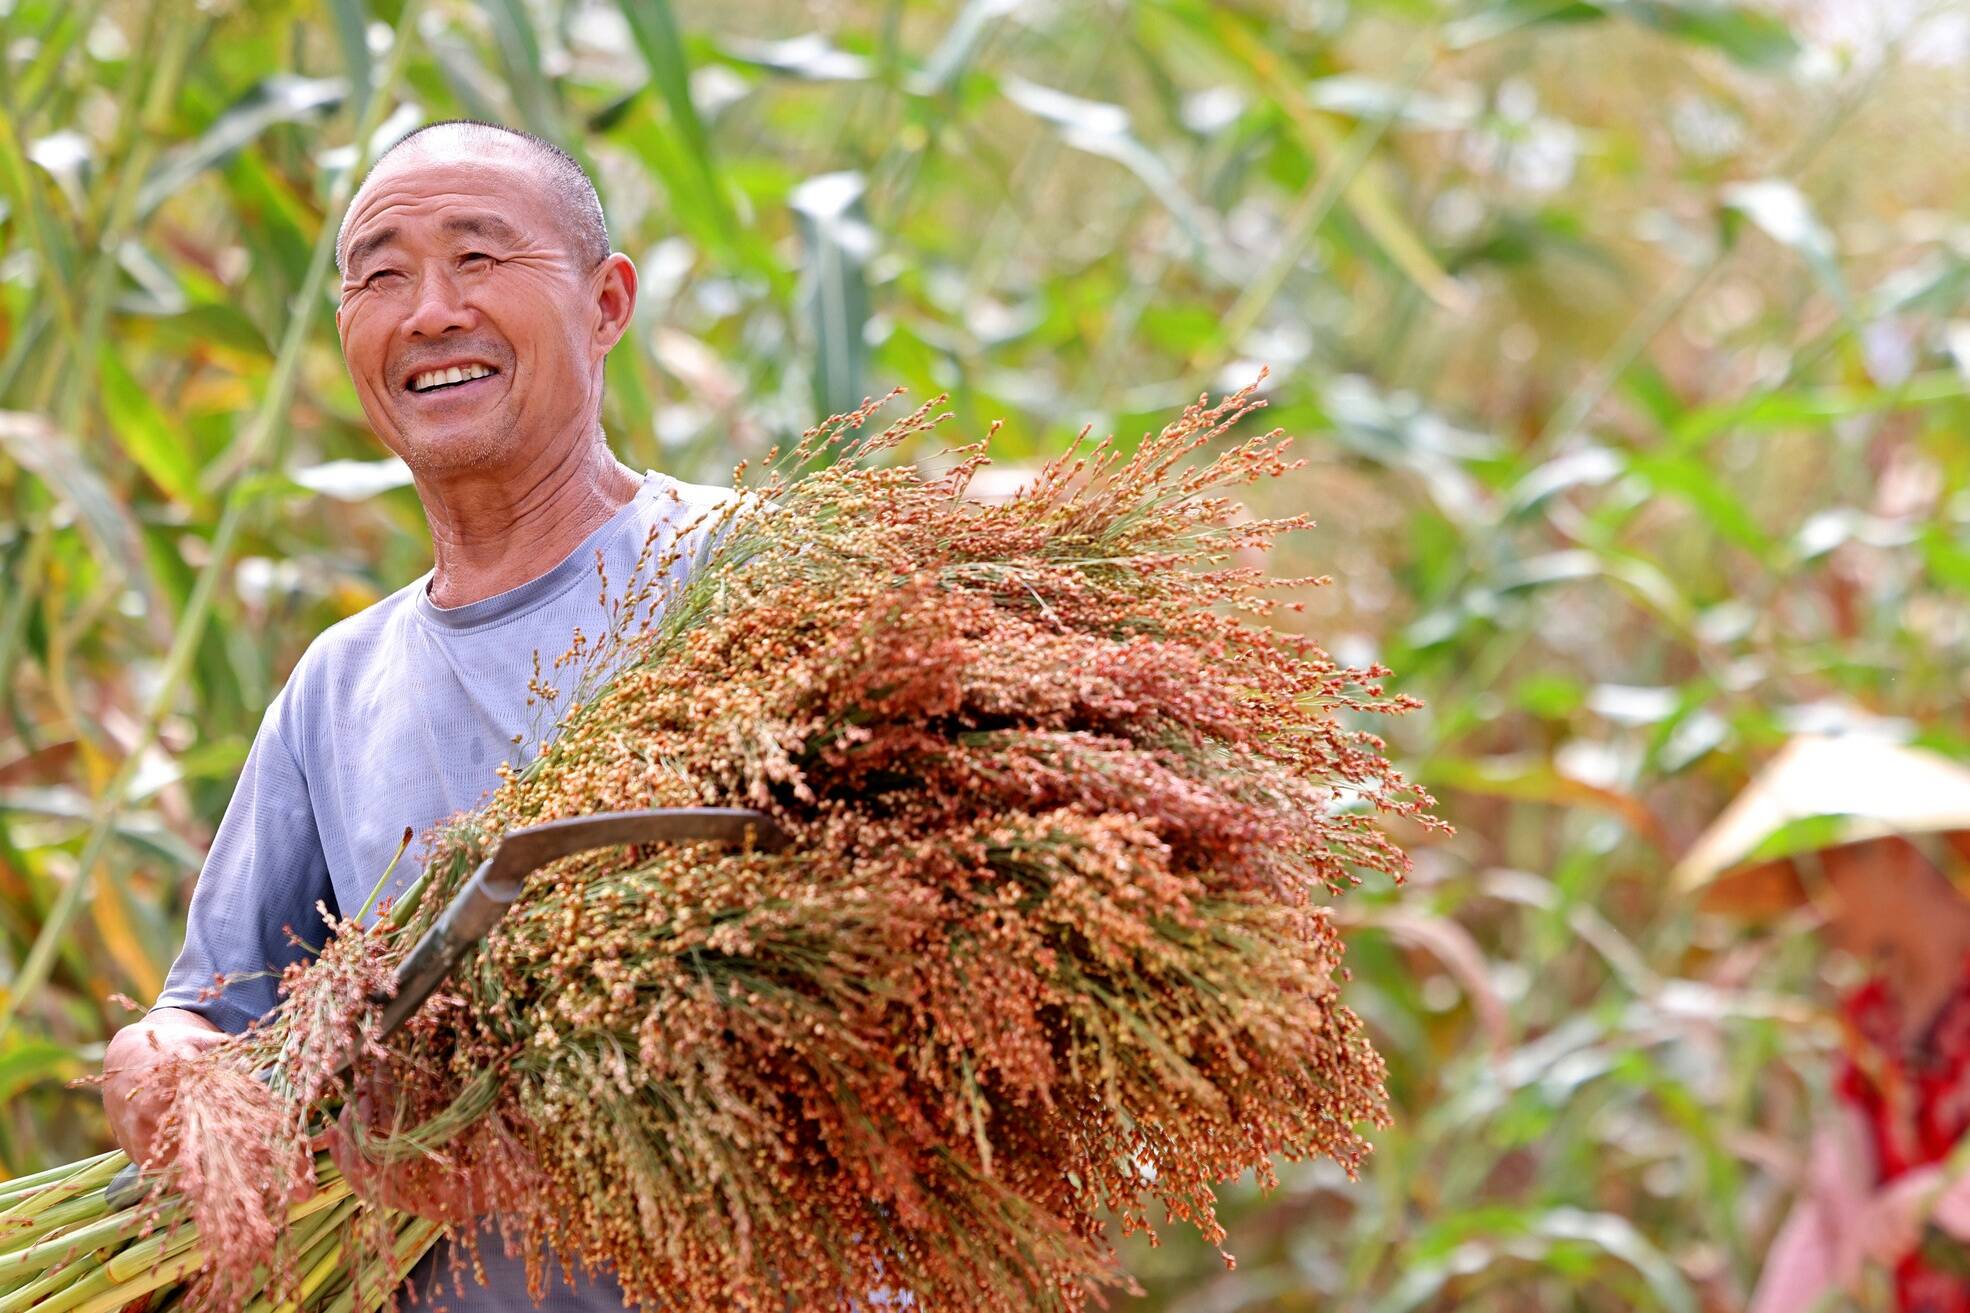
x: 368, y: 246
x: 481, y: 225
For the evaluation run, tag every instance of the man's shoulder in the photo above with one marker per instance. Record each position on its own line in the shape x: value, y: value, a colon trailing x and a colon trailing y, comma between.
x: 696, y: 494
x: 688, y: 519
x: 681, y: 504
x: 353, y: 642
x: 704, y: 509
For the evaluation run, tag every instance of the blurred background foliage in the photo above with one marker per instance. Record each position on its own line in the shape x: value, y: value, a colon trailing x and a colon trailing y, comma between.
x: 1627, y: 342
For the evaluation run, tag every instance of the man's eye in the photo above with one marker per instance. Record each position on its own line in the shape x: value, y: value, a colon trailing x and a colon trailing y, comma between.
x: 476, y: 255
x: 380, y: 273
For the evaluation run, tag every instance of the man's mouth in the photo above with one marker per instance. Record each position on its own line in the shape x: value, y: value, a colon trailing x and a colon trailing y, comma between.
x: 455, y: 380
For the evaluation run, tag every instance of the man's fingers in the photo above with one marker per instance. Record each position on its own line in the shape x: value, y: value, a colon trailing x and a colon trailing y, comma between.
x: 427, y: 1187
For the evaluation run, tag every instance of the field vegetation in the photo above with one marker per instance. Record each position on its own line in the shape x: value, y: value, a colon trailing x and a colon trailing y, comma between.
x: 1627, y: 342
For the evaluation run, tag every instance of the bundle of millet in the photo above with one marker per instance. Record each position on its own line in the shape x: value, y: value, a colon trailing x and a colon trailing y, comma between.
x: 1048, y: 945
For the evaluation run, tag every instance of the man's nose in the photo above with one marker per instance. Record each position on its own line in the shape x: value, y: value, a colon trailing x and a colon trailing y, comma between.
x: 439, y: 307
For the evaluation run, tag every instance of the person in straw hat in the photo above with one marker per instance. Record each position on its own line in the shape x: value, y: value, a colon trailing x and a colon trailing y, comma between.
x: 1865, y: 834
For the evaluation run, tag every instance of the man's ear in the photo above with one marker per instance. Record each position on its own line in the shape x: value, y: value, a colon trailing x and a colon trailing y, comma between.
x: 615, y: 300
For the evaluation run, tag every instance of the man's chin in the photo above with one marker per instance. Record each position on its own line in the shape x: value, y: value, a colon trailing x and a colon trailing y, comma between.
x: 436, y: 455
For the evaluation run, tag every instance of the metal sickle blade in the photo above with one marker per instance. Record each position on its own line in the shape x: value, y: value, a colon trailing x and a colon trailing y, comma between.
x: 523, y: 851
x: 478, y: 907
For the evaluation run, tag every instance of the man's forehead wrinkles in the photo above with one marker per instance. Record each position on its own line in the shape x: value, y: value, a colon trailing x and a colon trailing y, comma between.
x: 472, y: 221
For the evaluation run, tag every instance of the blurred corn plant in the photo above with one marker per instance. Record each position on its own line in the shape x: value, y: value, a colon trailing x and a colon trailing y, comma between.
x: 1627, y: 340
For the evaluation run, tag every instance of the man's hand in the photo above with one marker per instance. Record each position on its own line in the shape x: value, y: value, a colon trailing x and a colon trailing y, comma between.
x: 426, y: 1187
x: 133, y: 1104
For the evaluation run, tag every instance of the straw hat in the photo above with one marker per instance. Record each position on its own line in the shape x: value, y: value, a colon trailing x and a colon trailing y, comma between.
x: 1820, y: 793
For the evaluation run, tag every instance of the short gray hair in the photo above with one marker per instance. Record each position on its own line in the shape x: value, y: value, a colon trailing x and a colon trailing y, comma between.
x: 578, y: 207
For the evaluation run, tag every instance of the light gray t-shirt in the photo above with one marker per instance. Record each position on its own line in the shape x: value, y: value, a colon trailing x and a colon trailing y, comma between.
x: 398, y: 717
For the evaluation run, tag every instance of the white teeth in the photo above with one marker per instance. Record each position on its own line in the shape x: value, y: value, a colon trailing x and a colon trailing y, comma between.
x: 438, y: 377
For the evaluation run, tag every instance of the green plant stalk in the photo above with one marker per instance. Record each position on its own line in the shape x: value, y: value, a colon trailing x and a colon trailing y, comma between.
x: 312, y: 1280
x: 1306, y: 221
x: 97, y: 285
x: 39, y: 79
x: 138, y: 1257
x: 1580, y: 403
x: 376, y: 890
x: 57, y: 1183
x: 191, y: 626
x: 52, y: 280
x: 381, y: 1273
x: 322, y: 1248
x: 178, y: 41
x: 120, y: 1225
x: 76, y: 1292
x: 34, y: 559
x: 164, y: 1274
x: 32, y: 325
x: 151, y: 1263
x: 70, y: 1212
x: 412, y: 1243
x: 30, y: 1294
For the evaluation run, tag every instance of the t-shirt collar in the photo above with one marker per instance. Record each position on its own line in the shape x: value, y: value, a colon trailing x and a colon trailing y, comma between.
x: 522, y: 598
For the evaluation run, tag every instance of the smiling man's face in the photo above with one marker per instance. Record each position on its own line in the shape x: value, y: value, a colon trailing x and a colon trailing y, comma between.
x: 455, y: 261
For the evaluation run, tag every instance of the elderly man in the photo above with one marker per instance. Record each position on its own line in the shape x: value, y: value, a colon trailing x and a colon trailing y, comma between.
x: 479, y: 300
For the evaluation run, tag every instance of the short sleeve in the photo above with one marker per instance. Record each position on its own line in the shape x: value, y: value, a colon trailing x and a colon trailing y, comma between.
x: 263, y: 876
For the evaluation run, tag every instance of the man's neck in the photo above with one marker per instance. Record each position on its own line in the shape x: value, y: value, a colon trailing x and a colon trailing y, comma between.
x: 489, y: 534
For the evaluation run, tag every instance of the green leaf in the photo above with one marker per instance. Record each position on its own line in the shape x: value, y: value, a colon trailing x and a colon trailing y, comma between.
x: 353, y: 480
x: 1560, y: 1240
x: 1617, y: 1237
x: 1748, y: 37
x: 1751, y: 38
x: 143, y: 832
x: 1365, y: 197
x: 478, y: 92
x: 1948, y: 561
x: 519, y: 51
x: 1796, y: 407
x: 1104, y: 129
x: 654, y: 28
x: 1552, y: 696
x: 24, y: 1063
x: 1802, y: 834
x: 351, y: 19
x: 57, y: 461
x: 1697, y: 483
x: 626, y: 372
x: 960, y: 45
x: 145, y: 434
x: 1525, y: 777
x: 281, y: 98
x: 210, y: 323
x: 809, y: 56
x: 1782, y: 211
x: 1508, y: 16
x: 834, y: 292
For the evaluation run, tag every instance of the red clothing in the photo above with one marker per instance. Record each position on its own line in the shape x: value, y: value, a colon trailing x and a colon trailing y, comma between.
x: 1915, y: 1099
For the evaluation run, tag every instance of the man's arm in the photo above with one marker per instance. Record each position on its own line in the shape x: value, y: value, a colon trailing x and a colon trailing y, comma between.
x: 265, y: 872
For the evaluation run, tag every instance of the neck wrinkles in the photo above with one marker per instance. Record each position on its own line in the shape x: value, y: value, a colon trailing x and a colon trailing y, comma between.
x: 490, y: 536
